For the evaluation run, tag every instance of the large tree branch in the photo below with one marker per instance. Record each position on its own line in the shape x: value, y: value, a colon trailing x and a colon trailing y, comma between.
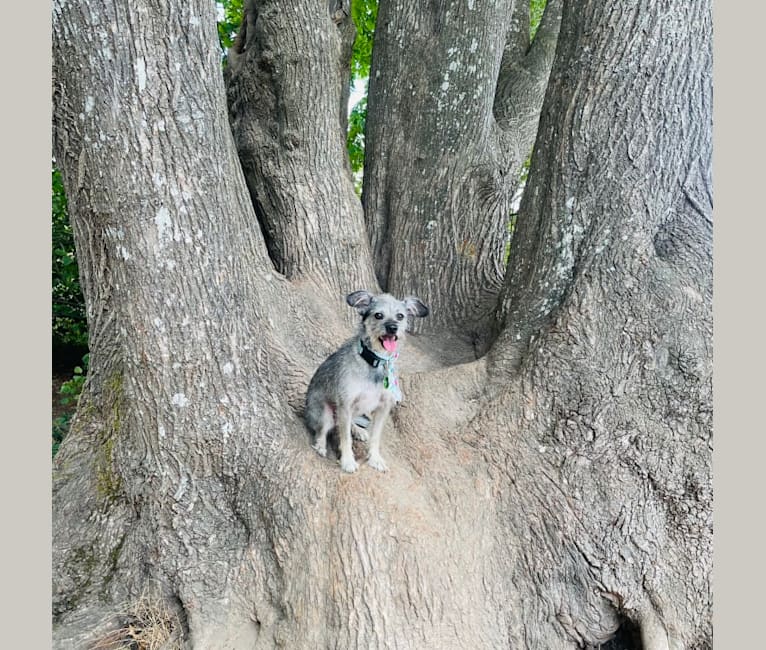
x: 560, y: 231
x: 438, y: 220
x: 517, y: 38
x: 181, y: 298
x: 523, y: 79
x: 437, y: 216
x: 288, y: 78
x: 605, y: 355
x: 543, y: 46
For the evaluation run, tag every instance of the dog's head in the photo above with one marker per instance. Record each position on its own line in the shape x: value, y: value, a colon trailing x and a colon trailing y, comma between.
x: 384, y: 319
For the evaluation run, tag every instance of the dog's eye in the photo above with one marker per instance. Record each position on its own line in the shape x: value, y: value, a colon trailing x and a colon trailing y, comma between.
x: 378, y: 315
x: 399, y: 316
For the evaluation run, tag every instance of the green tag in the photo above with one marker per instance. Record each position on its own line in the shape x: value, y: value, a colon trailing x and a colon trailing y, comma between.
x: 385, y: 382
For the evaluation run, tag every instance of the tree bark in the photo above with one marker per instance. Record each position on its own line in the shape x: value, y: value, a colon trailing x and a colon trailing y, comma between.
x: 548, y: 495
x: 441, y: 166
x: 186, y: 337
x: 288, y: 85
x: 606, y: 310
x: 522, y: 80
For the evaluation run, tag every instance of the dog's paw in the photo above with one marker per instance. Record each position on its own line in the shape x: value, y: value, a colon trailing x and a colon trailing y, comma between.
x: 359, y: 434
x: 320, y: 449
x: 376, y: 462
x: 349, y: 465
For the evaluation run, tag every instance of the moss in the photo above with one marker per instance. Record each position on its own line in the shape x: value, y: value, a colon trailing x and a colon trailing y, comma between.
x: 114, y: 393
x: 101, y: 418
x: 108, y: 482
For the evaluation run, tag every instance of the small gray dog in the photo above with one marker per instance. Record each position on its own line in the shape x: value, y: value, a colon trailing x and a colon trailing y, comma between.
x: 359, y: 378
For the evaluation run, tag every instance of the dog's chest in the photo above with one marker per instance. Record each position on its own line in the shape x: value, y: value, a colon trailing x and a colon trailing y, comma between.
x: 369, y: 397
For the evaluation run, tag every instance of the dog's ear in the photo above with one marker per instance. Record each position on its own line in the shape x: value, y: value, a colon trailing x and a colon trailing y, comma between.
x: 416, y: 306
x: 359, y: 300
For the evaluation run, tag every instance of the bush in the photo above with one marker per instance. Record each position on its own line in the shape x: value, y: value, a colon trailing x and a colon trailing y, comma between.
x: 70, y: 390
x: 60, y: 429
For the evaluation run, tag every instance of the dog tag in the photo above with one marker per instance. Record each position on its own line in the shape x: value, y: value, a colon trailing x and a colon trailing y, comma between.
x: 385, y: 382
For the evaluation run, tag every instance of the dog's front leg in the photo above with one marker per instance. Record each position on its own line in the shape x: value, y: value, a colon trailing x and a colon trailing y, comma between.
x: 374, y: 459
x: 347, y: 461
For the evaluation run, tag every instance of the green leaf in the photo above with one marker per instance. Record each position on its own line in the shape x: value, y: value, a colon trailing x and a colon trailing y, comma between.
x: 536, y: 9
x: 355, y: 137
x: 229, y: 25
x: 364, y: 13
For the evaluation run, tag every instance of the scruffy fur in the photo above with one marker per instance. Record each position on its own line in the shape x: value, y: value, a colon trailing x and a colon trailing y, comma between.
x: 346, y: 386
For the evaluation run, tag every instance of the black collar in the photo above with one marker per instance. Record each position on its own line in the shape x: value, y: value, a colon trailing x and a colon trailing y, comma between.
x: 369, y: 356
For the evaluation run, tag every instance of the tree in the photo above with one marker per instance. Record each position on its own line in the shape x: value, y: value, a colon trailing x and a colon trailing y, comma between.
x: 551, y: 493
x: 470, y: 110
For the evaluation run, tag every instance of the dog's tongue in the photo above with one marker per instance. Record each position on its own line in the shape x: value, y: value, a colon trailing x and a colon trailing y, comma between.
x: 389, y: 342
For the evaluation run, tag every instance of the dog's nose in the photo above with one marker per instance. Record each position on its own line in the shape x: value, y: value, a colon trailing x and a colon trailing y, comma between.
x: 392, y: 328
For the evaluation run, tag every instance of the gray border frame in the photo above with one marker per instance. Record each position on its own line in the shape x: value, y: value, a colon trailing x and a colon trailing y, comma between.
x: 26, y: 330
x: 739, y: 240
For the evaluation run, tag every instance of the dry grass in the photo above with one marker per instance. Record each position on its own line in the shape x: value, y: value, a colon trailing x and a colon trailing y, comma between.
x: 148, y: 624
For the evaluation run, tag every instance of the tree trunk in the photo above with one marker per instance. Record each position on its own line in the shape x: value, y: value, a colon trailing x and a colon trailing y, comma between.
x: 550, y: 494
x: 441, y: 165
x: 288, y: 86
x: 606, y: 311
x: 523, y: 78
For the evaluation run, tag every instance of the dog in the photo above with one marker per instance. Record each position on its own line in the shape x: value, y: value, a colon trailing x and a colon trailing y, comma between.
x: 357, y: 384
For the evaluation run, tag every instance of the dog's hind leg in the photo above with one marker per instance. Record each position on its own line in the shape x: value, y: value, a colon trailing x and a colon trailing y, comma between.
x: 359, y: 428
x: 325, y: 423
x: 347, y: 461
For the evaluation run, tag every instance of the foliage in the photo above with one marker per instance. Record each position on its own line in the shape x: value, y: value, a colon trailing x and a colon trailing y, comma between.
x: 229, y: 20
x: 364, y: 14
x: 536, y: 9
x: 69, y: 323
x: 524, y: 173
x: 60, y: 429
x: 355, y: 138
x: 71, y: 389
x: 71, y: 393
